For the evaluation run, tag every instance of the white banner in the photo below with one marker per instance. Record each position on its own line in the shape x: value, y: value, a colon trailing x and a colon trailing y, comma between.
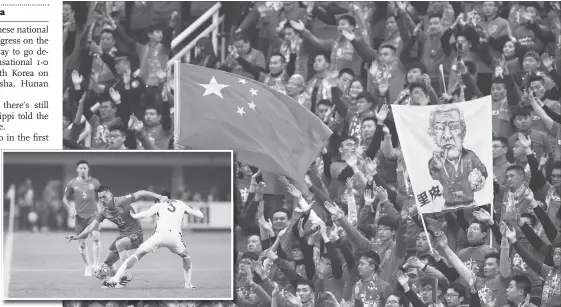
x: 218, y: 215
x: 448, y: 153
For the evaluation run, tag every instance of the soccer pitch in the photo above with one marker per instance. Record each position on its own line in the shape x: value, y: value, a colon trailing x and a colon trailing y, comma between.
x: 44, y: 265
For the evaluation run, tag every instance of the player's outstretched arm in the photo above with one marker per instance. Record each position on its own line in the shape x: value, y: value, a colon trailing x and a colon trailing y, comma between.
x: 144, y: 214
x: 195, y: 212
x: 86, y: 231
x: 148, y: 194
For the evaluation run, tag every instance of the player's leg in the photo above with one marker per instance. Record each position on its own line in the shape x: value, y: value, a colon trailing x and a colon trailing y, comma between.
x: 123, y: 246
x: 177, y: 247
x: 187, y: 268
x: 128, y: 264
x: 96, y: 244
x: 131, y: 241
x: 113, y: 256
x: 82, y: 246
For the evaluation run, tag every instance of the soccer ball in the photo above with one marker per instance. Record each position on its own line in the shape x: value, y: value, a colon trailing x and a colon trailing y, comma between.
x: 101, y: 271
x: 476, y: 180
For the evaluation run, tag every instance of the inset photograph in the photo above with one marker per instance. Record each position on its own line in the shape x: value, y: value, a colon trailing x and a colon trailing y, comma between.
x: 106, y: 225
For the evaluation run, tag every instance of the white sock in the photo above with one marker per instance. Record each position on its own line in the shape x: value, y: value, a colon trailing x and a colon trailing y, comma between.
x: 122, y: 270
x: 96, y: 252
x: 187, y: 276
x: 187, y: 273
x: 123, y: 255
x: 85, y: 255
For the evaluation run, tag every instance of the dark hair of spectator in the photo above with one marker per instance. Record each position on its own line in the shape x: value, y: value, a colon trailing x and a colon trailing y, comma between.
x: 498, y: 80
x: 523, y: 283
x: 155, y: 107
x: 250, y: 255
x: 392, y: 47
x: 325, y: 102
x: 534, y: 78
x: 326, y: 56
x: 483, y: 227
x: 155, y: 27
x: 350, y: 19
x: 435, y: 15
x: 348, y: 137
x: 516, y: 168
x: 458, y: 288
x: 388, y: 222
x: 82, y: 162
x: 347, y: 71
x: 282, y: 210
x: 523, y: 111
x: 276, y: 53
x: 240, y: 36
x: 501, y: 139
x: 374, y: 119
x: 303, y: 282
x: 119, y: 127
x: 366, y: 95
x: 495, y: 255
x: 418, y: 65
x: 420, y: 85
x: 372, y: 255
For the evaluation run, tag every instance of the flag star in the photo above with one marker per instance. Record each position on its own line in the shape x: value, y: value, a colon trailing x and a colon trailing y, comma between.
x: 241, y: 111
x: 213, y: 88
x: 242, y: 81
x: 252, y: 106
x: 253, y: 92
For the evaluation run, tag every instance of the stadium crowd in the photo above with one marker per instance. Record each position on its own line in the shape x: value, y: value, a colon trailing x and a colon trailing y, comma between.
x: 356, y: 238
x: 145, y: 304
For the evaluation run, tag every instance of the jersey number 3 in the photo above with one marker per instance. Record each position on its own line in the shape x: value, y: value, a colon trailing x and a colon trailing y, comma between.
x: 171, y: 207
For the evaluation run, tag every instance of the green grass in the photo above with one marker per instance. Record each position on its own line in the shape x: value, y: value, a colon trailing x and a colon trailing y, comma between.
x: 45, y: 266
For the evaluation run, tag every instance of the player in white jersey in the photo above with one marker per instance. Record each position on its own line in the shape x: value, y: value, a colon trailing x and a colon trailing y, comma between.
x: 167, y: 234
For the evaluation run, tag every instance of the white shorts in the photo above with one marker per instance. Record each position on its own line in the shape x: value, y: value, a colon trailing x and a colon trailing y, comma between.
x: 164, y: 238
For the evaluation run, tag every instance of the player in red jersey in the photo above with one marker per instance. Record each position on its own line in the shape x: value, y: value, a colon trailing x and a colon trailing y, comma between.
x: 81, y: 202
x: 117, y: 210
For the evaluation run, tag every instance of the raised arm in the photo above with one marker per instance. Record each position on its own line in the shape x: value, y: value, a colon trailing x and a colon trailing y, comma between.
x: 146, y: 213
x: 194, y: 212
x: 86, y: 231
x: 148, y: 194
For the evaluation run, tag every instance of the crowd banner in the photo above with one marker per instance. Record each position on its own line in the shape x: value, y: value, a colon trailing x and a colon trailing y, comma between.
x: 448, y: 153
x: 218, y: 216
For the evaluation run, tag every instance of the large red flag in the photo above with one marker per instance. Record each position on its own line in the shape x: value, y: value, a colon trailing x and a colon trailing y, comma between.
x: 265, y: 128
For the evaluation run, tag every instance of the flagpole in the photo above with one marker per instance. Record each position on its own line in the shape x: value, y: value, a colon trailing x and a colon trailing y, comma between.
x: 424, y: 225
x: 492, y: 213
x: 176, y: 101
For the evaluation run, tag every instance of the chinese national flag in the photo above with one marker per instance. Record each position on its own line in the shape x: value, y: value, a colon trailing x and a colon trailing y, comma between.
x: 265, y: 128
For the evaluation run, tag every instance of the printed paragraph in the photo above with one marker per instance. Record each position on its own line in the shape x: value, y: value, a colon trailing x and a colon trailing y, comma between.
x: 24, y: 81
x: 24, y: 60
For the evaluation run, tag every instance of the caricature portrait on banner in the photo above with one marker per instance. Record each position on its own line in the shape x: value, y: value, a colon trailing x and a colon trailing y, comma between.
x: 448, y: 153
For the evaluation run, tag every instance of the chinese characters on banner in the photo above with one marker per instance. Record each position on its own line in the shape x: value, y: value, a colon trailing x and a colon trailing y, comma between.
x: 448, y: 153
